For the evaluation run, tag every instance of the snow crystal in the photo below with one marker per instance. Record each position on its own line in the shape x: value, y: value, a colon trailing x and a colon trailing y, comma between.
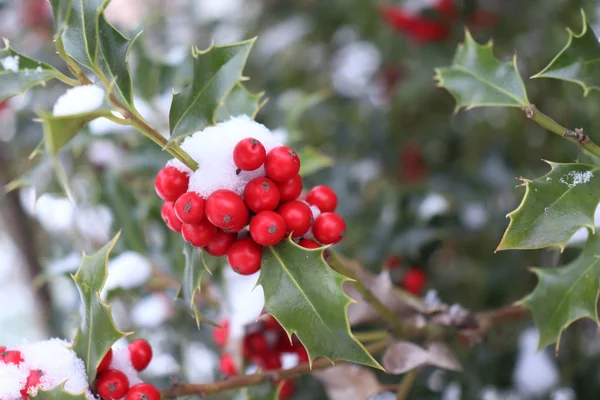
x: 281, y: 36
x: 122, y: 362
x: 434, y: 204
x: 54, y: 213
x: 162, y: 364
x: 94, y: 222
x: 289, y: 360
x: 10, y: 63
x: 12, y: 380
x: 151, y: 311
x: 175, y: 163
x: 128, y: 270
x: 212, y: 149
x: 535, y: 373
x: 474, y: 216
x: 245, y: 299
x: 582, y: 234
x: 79, y: 99
x: 104, y: 126
x: 565, y: 393
x: 574, y: 178
x: 200, y: 363
x: 353, y: 67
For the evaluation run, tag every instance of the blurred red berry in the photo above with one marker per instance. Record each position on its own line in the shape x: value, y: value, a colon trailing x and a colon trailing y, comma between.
x: 33, y: 381
x: 140, y: 353
x: 227, y: 365
x: 105, y: 363
x: 255, y: 344
x: 220, y: 335
x: 286, y: 389
x: 167, y: 212
x: 171, y: 183
x: 414, y: 281
x: 11, y: 357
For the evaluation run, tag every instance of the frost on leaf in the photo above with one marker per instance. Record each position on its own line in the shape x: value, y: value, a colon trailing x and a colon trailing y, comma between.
x: 78, y: 100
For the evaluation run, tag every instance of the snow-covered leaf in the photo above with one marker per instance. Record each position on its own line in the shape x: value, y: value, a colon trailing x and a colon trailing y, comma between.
x: 477, y: 78
x: 97, y: 332
x: 578, y: 61
x: 80, y: 35
x: 566, y: 294
x: 240, y: 102
x: 348, y: 382
x: 313, y: 160
x: 216, y: 71
x: 58, y: 393
x: 554, y: 207
x: 299, y: 287
x: 18, y: 73
x: 402, y: 357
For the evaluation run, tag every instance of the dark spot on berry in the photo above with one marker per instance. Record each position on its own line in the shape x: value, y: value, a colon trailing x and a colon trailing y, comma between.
x: 272, y: 229
x: 227, y: 219
x: 265, y: 185
x: 254, y: 142
x: 112, y: 387
x: 187, y: 207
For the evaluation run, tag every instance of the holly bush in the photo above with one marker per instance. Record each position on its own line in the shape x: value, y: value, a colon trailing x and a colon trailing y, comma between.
x: 406, y: 123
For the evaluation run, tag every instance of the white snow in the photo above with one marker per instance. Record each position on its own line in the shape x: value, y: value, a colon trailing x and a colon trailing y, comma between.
x: 452, y: 392
x: 212, y: 148
x: 574, y: 178
x: 104, y: 126
x: 12, y: 380
x: 210, y: 10
x: 162, y: 364
x: 127, y: 271
x: 199, y: 363
x: 245, y: 299
x: 535, y: 373
x: 94, y: 222
x: 151, y: 311
x: 54, y: 213
x: 432, y: 205
x: 565, y: 393
x: 581, y: 235
x: 279, y: 37
x: 289, y: 360
x: 175, y: 163
x: 353, y: 68
x: 80, y: 99
x: 107, y: 154
x: 122, y: 362
x: 473, y: 216
x: 10, y: 63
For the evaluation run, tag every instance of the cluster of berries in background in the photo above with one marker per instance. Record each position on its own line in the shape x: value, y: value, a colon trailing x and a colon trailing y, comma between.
x: 115, y: 378
x: 262, y: 211
x: 412, y: 279
x: 265, y: 345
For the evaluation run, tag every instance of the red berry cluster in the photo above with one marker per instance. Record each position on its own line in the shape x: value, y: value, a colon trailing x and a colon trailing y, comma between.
x: 15, y: 357
x: 422, y: 28
x: 269, y: 208
x: 263, y: 345
x: 112, y: 384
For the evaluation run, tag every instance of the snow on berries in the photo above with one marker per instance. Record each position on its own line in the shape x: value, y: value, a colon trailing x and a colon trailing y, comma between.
x: 245, y: 194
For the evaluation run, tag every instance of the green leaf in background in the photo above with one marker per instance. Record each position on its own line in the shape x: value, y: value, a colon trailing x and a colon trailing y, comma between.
x: 240, y: 101
x: 216, y: 71
x: 305, y: 295
x: 260, y: 392
x: 565, y: 294
x: 578, y: 61
x: 80, y: 37
x: 18, y: 73
x: 313, y: 160
x: 554, y: 207
x: 113, y: 59
x: 97, y: 332
x: 151, y: 77
x: 477, y: 78
x: 61, y: 10
x: 58, y: 393
x: 191, y: 283
x: 59, y: 130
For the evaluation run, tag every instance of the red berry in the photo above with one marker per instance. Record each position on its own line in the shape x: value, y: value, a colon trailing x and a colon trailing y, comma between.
x: 270, y: 361
x: 290, y: 190
x: 414, y: 281
x: 143, y: 391
x: 286, y: 389
x: 309, y: 244
x: 261, y: 194
x: 105, y: 363
x: 189, y: 208
x: 225, y: 209
x: 11, y: 357
x: 2, y: 350
x: 302, y: 354
x: 267, y: 228
x: 323, y: 197
x: 219, y: 245
x: 33, y: 381
x: 297, y: 217
x: 244, y: 256
x: 249, y: 154
x: 220, y: 335
x: 227, y: 365
x: 329, y: 228
x: 171, y: 183
x: 255, y: 344
x: 167, y: 212
x: 200, y: 234
x: 270, y: 323
x: 112, y: 384
x: 282, y: 164
x: 140, y: 353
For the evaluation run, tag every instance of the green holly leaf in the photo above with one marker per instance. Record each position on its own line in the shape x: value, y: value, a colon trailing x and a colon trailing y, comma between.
x: 240, y: 102
x: 59, y: 130
x: 58, y: 393
x: 554, y: 207
x: 305, y: 295
x: 578, y: 61
x: 113, y: 59
x: 80, y: 34
x: 18, y: 73
x: 566, y: 294
x: 313, y: 160
x: 216, y: 71
x: 97, y: 332
x: 193, y: 276
x: 61, y: 10
x: 477, y: 78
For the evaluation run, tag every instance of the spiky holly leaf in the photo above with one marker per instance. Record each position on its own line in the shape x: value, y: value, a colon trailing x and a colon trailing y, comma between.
x: 578, y: 61
x: 477, y: 78
x: 216, y: 71
x: 97, y: 332
x: 313, y: 160
x: 240, y: 102
x: 18, y: 73
x: 59, y: 130
x: 554, y: 207
x: 565, y: 294
x: 305, y: 295
x: 58, y: 393
x: 80, y: 34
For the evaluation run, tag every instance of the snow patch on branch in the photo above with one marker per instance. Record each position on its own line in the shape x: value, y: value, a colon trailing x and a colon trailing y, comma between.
x: 78, y: 100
